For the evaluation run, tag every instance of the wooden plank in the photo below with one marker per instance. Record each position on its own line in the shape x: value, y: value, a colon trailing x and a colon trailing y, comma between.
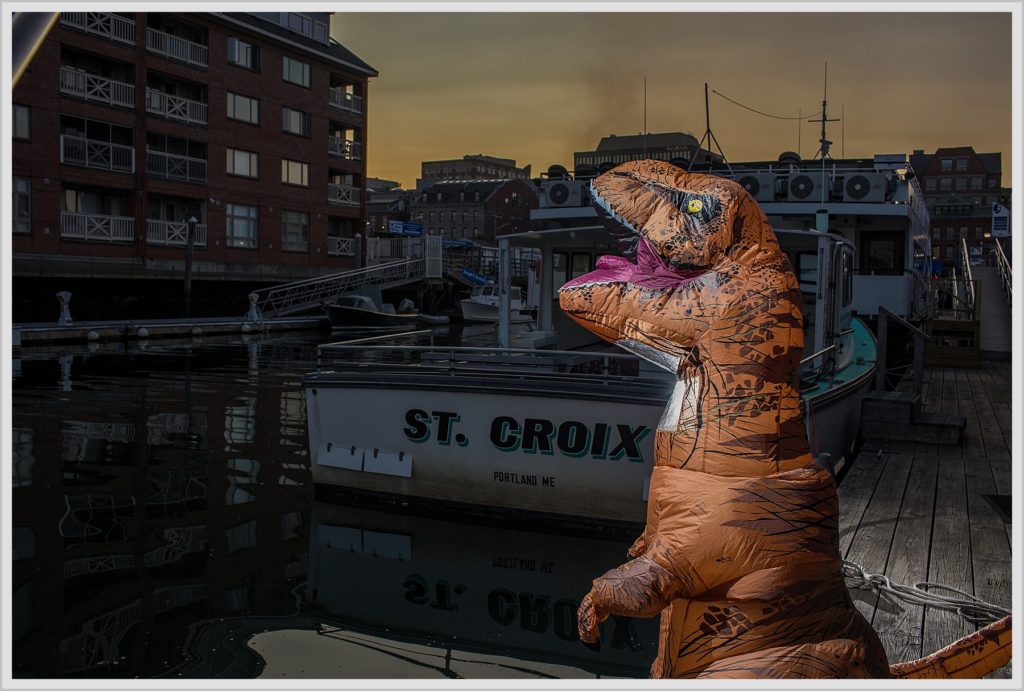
x: 1002, y: 480
x: 950, y: 405
x: 855, y: 493
x: 994, y: 417
x: 971, y: 409
x: 949, y: 562
x: 899, y: 624
x: 931, y: 394
x: 872, y: 542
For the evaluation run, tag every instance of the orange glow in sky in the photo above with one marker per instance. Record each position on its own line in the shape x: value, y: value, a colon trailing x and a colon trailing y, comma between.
x: 536, y: 87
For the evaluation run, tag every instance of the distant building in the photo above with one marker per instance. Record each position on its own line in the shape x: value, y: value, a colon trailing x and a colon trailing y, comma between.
x: 385, y: 206
x: 129, y: 124
x: 475, y: 210
x: 960, y: 187
x: 379, y: 185
x: 471, y: 167
x: 616, y: 149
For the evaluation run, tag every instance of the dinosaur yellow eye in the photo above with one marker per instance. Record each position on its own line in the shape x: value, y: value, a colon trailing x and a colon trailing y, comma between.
x: 694, y: 206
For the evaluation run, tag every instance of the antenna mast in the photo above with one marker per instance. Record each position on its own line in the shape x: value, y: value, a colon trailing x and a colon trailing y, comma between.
x: 645, y: 116
x: 825, y: 143
x: 709, y: 136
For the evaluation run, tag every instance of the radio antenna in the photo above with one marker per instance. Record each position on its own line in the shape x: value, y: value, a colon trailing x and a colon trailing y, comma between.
x: 709, y: 136
x: 825, y: 143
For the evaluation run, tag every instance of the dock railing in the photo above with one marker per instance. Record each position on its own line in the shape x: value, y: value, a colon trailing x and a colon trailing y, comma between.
x: 1005, y: 271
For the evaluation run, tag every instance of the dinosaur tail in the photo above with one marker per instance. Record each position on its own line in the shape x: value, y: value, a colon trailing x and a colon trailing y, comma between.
x: 972, y: 657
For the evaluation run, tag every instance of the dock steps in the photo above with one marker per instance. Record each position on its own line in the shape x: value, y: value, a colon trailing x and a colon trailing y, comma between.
x: 897, y: 415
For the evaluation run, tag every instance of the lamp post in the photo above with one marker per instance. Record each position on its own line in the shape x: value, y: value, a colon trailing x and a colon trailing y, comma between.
x: 189, y: 240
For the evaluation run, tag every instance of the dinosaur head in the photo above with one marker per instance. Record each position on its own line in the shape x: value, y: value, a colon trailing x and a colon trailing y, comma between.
x: 697, y: 235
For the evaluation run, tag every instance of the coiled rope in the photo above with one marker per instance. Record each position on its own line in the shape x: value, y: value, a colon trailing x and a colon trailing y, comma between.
x: 971, y: 608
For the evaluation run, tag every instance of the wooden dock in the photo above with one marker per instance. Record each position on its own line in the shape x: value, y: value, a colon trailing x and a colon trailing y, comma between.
x: 918, y: 512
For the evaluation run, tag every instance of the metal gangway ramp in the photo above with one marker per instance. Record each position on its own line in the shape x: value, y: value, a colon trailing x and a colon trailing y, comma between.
x: 420, y: 259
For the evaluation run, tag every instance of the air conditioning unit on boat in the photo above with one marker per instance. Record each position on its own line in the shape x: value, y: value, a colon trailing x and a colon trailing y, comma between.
x: 864, y: 187
x: 805, y: 185
x: 760, y: 185
x: 559, y: 193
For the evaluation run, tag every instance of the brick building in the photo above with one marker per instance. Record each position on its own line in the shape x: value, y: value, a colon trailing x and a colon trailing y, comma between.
x: 616, y: 149
x: 475, y: 210
x: 471, y: 167
x: 127, y: 125
x: 960, y: 186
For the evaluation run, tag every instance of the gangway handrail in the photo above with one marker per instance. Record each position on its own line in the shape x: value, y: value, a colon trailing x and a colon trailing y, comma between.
x: 965, y: 267
x: 1005, y: 271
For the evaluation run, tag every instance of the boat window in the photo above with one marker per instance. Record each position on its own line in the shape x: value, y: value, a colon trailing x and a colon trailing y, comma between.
x: 847, y: 277
x: 582, y: 262
x: 559, y: 261
x: 882, y: 253
x: 807, y: 271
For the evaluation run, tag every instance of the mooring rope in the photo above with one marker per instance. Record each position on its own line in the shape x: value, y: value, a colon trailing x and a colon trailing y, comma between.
x: 971, y: 608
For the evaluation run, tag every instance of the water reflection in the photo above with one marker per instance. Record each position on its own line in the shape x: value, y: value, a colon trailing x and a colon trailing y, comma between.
x: 165, y: 526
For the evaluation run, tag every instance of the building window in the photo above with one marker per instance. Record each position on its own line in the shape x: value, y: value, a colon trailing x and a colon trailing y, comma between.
x: 929, y: 185
x: 294, y: 172
x: 243, y: 54
x: 963, y: 231
x: 975, y: 183
x: 949, y: 233
x: 961, y: 164
x: 978, y: 232
x: 242, y: 228
x: 243, y: 108
x: 295, y: 121
x: 295, y: 230
x: 961, y: 184
x: 946, y: 165
x: 991, y: 183
x: 244, y: 163
x: 946, y: 184
x: 21, y: 128
x: 937, y: 233
x: 22, y: 206
x: 949, y: 251
x: 296, y: 72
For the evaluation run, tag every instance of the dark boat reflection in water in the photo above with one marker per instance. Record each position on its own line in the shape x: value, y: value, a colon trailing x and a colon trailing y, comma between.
x: 164, y: 525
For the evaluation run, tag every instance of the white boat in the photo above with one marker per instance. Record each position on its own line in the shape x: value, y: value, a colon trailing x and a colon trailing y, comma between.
x: 482, y: 305
x: 567, y: 432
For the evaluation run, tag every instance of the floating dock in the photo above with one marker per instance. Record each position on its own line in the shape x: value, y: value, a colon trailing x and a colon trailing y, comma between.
x: 137, y: 329
x: 929, y: 512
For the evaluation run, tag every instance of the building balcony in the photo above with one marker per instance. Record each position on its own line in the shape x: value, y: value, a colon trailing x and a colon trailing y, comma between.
x: 176, y: 48
x: 93, y: 153
x: 103, y: 24
x: 343, y: 100
x: 91, y: 87
x: 174, y: 167
x: 96, y: 227
x: 174, y: 233
x: 176, y: 107
x: 341, y: 247
x: 343, y: 195
x: 339, y: 146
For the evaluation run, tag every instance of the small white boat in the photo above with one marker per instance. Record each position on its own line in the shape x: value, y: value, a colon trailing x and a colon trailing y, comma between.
x: 482, y: 305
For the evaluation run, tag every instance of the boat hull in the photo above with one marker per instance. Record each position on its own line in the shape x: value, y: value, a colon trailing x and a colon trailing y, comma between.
x: 353, y: 316
x: 480, y: 312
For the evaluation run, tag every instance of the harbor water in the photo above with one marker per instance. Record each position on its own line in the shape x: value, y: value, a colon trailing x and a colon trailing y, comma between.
x: 165, y: 525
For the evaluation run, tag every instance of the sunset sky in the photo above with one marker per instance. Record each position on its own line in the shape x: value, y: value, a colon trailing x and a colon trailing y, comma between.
x: 536, y: 87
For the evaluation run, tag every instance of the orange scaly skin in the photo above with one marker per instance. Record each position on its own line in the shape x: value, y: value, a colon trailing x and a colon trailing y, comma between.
x: 740, y: 552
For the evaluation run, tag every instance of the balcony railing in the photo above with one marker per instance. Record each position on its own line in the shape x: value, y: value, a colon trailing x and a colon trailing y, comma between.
x: 96, y: 227
x: 93, y: 153
x: 176, y: 48
x: 176, y: 107
x: 343, y: 195
x: 173, y: 233
x: 341, y: 247
x: 339, y: 146
x: 343, y: 100
x: 91, y: 87
x: 174, y: 167
x: 104, y: 24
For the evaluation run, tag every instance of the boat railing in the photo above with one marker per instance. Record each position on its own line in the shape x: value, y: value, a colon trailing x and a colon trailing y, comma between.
x: 1005, y: 271
x: 595, y: 367
x: 900, y: 356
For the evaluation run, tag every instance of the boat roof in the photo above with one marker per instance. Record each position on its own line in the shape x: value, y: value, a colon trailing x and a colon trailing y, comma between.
x: 582, y: 236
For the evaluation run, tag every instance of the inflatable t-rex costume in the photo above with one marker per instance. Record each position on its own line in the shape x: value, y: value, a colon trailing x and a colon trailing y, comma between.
x: 740, y: 553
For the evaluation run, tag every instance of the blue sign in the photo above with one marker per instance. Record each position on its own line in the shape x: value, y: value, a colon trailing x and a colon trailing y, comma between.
x: 403, y: 228
x: 460, y: 244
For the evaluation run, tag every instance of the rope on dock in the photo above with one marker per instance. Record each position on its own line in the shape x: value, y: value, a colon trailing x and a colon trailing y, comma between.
x: 971, y: 608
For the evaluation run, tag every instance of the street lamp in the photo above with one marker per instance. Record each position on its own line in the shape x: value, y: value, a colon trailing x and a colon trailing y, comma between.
x: 189, y: 240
